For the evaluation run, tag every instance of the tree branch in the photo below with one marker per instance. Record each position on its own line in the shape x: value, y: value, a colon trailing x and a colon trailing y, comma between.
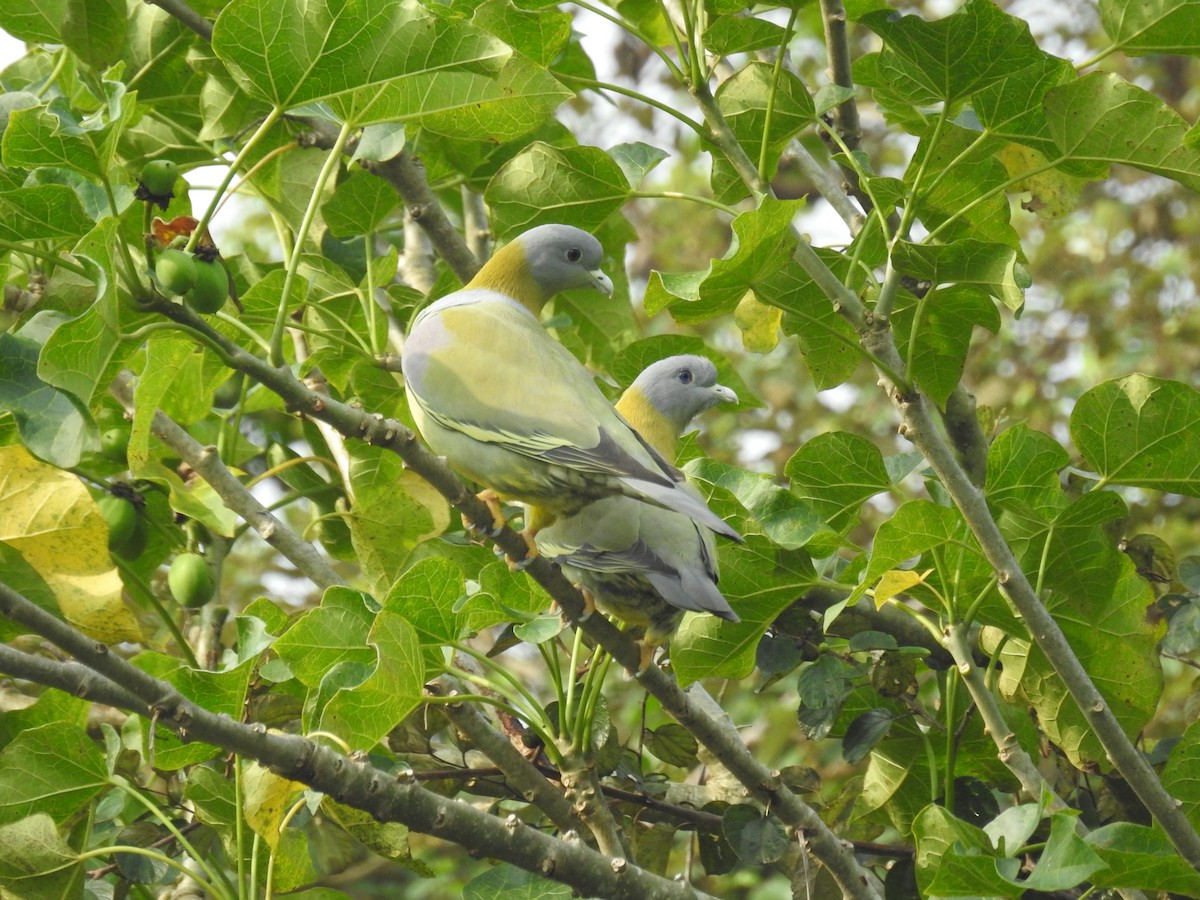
x: 186, y: 16
x: 350, y: 781
x: 207, y: 464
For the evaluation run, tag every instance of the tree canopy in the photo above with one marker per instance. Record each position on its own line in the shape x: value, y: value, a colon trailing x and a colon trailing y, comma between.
x: 258, y: 639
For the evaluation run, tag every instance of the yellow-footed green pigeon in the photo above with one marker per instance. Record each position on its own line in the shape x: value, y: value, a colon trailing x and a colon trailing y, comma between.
x: 511, y: 408
x: 643, y: 563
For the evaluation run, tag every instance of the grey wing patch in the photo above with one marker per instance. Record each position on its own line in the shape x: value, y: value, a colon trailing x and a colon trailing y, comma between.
x: 608, y: 458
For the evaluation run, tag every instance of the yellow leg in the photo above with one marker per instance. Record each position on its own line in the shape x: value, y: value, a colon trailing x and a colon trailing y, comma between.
x: 492, y: 501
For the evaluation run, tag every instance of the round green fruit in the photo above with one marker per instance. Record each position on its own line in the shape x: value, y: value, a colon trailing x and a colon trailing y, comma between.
x: 114, y: 444
x: 158, y: 177
x: 212, y: 287
x: 191, y: 580
x: 126, y: 531
x: 176, y: 271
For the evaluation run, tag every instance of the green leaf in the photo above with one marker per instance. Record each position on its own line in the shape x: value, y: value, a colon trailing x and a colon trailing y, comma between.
x: 334, y: 631
x: 393, y: 511
x: 1141, y: 431
x: 741, y: 34
x: 427, y: 595
x: 993, y: 267
x: 579, y: 186
x: 916, y: 527
x: 823, y: 687
x: 837, y: 473
x: 757, y: 839
x: 36, y: 863
x: 95, y: 30
x: 864, y: 733
x: 33, y: 21
x: 1067, y: 861
x: 360, y: 205
x: 43, y: 212
x: 827, y: 340
x: 764, y: 241
x: 289, y: 52
x: 54, y: 425
x: 673, y: 744
x: 1012, y: 107
x: 1181, y: 776
x: 934, y: 334
x: 1138, y: 856
x: 363, y: 714
x: 540, y: 35
x: 956, y: 857
x: 1102, y: 119
x: 951, y: 58
x: 786, y: 519
x: 1023, y: 467
x: 636, y: 160
x: 55, y: 769
x: 1144, y: 27
x: 35, y: 138
x: 507, y: 882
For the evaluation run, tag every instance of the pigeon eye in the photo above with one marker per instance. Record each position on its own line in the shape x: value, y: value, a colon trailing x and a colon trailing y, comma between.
x: 685, y: 376
x: 574, y: 255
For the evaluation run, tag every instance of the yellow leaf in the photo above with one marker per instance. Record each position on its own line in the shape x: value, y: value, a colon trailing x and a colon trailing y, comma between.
x: 1053, y: 193
x: 48, y: 516
x: 759, y: 324
x: 266, y: 800
x: 897, y: 581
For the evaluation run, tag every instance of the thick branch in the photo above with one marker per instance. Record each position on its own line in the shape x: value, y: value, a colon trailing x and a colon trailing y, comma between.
x: 707, y: 723
x: 967, y: 437
x: 918, y: 427
x: 519, y: 772
x: 68, y: 677
x: 349, y: 781
x: 208, y: 465
x: 837, y: 47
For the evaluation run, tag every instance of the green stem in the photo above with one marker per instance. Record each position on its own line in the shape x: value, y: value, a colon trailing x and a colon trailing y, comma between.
x: 133, y: 579
x: 680, y: 195
x: 629, y: 92
x: 951, y: 736
x: 272, y: 117
x: 59, y: 62
x: 674, y: 32
x: 42, y: 254
x: 632, y: 29
x: 1099, y: 57
x: 332, y: 161
x: 208, y: 886
x: 773, y: 92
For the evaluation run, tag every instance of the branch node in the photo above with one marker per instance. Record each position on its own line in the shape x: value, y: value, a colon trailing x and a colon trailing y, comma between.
x: 512, y: 823
x: 618, y: 865
x: 546, y: 867
x: 405, y: 776
x: 100, y: 648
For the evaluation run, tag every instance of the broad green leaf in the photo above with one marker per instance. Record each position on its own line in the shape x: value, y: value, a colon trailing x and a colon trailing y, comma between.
x: 956, y: 856
x: 949, y: 59
x: 56, y: 769
x: 506, y: 882
x: 360, y: 205
x: 674, y: 745
x: 1144, y: 27
x: 788, y: 520
x: 393, y: 511
x: 763, y: 245
x: 363, y: 714
x: 1052, y: 192
x: 334, y: 631
x: 52, y: 707
x: 34, y: 21
x: 1023, y: 467
x: 636, y: 160
x: 43, y: 212
x: 827, y: 340
x: 539, y: 35
x: 837, y: 472
x: 864, y: 733
x: 741, y: 34
x: 294, y: 52
x: 756, y: 838
x: 1138, y: 856
x: 1181, y: 776
x: 35, y: 137
x: 48, y: 516
x: 1102, y: 119
x: 502, y: 598
x: 53, y: 424
x: 1012, y: 106
x: 579, y: 186
x: 916, y: 527
x: 388, y: 839
x: 1141, y: 431
x: 1067, y: 861
x: 221, y: 693
x: 427, y: 595
x: 265, y: 798
x: 934, y: 334
x: 36, y: 863
x: 993, y: 267
x: 95, y: 30
x: 759, y: 580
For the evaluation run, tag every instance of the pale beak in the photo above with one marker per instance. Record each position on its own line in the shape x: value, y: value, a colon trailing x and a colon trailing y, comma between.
x: 724, y: 394
x: 601, y: 282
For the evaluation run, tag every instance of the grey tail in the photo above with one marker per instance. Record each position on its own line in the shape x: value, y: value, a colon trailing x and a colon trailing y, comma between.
x: 673, y: 497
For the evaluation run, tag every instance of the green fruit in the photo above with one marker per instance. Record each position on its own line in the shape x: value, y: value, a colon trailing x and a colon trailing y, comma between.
x: 176, y: 271
x: 191, y: 580
x: 114, y: 444
x: 158, y: 177
x: 126, y: 531
x: 212, y: 287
